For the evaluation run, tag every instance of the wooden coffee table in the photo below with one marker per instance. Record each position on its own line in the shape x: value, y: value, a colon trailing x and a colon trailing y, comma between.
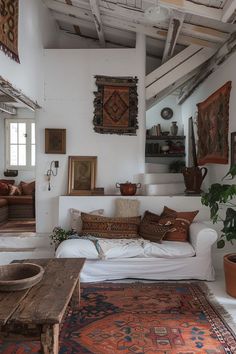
x: 36, y: 313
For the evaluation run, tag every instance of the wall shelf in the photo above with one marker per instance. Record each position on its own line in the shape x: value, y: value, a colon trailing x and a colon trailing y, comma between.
x: 165, y: 155
x: 166, y: 137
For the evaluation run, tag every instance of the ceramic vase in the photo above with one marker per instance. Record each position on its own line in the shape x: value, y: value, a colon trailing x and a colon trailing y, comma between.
x: 174, y: 129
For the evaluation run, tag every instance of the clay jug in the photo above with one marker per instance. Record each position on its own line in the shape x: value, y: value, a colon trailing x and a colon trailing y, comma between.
x: 174, y: 129
x: 193, y: 178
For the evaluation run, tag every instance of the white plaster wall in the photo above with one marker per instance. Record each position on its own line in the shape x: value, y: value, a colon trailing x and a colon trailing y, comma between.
x: 68, y: 103
x: 225, y: 73
x: 153, y: 115
x: 37, y: 30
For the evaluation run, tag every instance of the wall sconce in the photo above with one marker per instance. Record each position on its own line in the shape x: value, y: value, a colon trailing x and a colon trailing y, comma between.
x: 53, y: 165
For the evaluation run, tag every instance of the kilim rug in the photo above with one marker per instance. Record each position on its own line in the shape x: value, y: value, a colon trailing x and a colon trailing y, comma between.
x: 138, y: 318
x: 9, y: 28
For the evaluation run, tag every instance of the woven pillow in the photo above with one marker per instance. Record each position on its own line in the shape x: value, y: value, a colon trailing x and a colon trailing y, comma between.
x: 151, y: 230
x: 4, y: 190
x: 27, y: 188
x: 14, y: 190
x: 105, y: 227
x: 127, y: 207
x: 75, y: 218
x: 182, y: 221
x: 7, y: 181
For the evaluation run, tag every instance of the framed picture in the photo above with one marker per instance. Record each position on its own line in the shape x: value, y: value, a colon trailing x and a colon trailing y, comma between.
x: 55, y: 141
x: 212, y: 127
x: 233, y: 148
x: 82, y: 175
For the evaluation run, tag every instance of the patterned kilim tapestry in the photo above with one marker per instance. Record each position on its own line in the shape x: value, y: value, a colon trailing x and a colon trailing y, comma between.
x: 160, y: 318
x: 116, y: 105
x: 9, y: 28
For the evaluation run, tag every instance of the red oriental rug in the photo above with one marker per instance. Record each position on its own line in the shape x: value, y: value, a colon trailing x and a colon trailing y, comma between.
x: 138, y: 318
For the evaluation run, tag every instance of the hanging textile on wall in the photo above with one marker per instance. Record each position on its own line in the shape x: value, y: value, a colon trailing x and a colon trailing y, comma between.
x: 213, y: 126
x: 9, y: 28
x: 116, y: 105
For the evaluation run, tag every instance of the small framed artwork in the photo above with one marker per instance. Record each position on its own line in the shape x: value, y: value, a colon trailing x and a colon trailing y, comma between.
x: 233, y: 148
x: 82, y: 175
x: 55, y: 141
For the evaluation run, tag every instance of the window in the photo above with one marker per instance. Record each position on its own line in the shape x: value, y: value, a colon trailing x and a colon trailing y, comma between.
x: 20, y: 144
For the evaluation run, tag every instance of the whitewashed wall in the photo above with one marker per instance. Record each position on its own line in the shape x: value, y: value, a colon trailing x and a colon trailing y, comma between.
x: 37, y: 30
x: 68, y: 103
x: 225, y: 73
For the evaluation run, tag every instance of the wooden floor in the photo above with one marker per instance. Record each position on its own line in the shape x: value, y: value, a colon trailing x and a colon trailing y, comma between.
x: 18, y: 226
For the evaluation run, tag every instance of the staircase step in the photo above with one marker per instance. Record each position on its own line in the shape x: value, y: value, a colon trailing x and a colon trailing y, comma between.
x: 165, y: 189
x: 156, y: 178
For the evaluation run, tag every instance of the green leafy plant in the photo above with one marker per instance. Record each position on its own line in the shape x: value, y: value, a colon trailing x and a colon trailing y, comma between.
x: 58, y: 235
x: 217, y: 198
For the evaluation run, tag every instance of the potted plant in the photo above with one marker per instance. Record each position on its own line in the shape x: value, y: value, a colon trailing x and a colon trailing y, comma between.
x: 220, y: 200
x: 58, y: 235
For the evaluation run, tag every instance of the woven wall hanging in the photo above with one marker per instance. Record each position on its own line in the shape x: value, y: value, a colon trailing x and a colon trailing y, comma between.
x: 116, y: 105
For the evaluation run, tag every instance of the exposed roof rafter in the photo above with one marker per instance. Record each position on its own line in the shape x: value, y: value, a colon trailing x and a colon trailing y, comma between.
x: 98, y: 22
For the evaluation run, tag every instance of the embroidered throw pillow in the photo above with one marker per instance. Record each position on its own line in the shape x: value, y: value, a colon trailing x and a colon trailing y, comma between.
x: 4, y: 190
x: 182, y: 221
x: 14, y: 190
x: 105, y: 227
x: 75, y: 218
x: 127, y: 208
x: 151, y: 229
x: 27, y: 188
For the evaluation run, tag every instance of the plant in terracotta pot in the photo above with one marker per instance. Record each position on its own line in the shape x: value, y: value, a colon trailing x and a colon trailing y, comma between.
x: 220, y: 199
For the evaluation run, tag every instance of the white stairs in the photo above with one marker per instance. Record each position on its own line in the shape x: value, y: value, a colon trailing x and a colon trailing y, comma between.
x: 24, y: 246
x: 157, y: 181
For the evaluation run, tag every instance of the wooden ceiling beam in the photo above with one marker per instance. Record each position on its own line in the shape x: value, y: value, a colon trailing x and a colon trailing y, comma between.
x: 136, y: 22
x: 211, y: 66
x: 177, y: 67
x: 176, y: 22
x: 98, y: 22
x: 7, y: 109
x: 153, y: 32
x: 6, y: 99
x: 229, y: 11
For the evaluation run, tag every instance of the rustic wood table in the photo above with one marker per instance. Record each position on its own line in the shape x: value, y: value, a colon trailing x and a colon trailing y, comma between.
x: 36, y: 313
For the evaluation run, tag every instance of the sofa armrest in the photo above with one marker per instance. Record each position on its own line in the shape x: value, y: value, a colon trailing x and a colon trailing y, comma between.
x: 202, y: 238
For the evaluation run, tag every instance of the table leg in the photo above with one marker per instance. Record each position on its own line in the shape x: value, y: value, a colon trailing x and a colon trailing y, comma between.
x: 50, y: 339
x: 75, y: 299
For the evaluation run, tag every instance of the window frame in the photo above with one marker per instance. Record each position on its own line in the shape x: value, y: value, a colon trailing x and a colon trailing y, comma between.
x: 28, y: 122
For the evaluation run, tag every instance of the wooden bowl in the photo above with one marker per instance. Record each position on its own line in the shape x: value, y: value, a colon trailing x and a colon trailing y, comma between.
x: 19, y: 276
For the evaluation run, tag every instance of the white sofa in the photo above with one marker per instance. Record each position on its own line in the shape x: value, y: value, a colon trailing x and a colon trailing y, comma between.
x: 145, y: 260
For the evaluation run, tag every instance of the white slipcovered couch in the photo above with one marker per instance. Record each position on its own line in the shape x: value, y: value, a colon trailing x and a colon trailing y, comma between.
x: 141, y: 259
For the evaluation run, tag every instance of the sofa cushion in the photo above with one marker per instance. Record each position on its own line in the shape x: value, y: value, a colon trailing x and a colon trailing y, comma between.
x: 4, y: 189
x: 182, y: 221
x: 75, y: 218
x: 106, y: 227
x: 7, y: 181
x: 150, y: 229
x: 14, y: 190
x: 127, y: 207
x: 27, y: 188
x: 169, y: 249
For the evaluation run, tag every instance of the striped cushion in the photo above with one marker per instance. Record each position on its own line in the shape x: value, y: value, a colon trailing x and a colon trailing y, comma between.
x: 105, y: 227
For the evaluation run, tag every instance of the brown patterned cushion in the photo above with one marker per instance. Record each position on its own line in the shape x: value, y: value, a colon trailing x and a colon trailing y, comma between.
x: 105, y: 227
x: 151, y: 230
x: 27, y: 188
x: 182, y: 221
x: 7, y: 181
x: 4, y: 189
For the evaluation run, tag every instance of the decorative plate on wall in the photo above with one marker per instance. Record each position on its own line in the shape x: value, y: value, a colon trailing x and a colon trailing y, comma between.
x: 166, y: 113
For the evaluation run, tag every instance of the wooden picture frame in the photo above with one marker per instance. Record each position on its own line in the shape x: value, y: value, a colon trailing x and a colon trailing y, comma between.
x: 55, y: 141
x: 82, y: 175
x: 233, y: 149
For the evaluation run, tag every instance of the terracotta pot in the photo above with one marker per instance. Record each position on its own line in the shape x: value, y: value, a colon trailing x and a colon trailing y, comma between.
x: 128, y: 188
x: 230, y: 273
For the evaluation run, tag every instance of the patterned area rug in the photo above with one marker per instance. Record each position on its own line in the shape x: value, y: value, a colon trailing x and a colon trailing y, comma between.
x: 138, y: 318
